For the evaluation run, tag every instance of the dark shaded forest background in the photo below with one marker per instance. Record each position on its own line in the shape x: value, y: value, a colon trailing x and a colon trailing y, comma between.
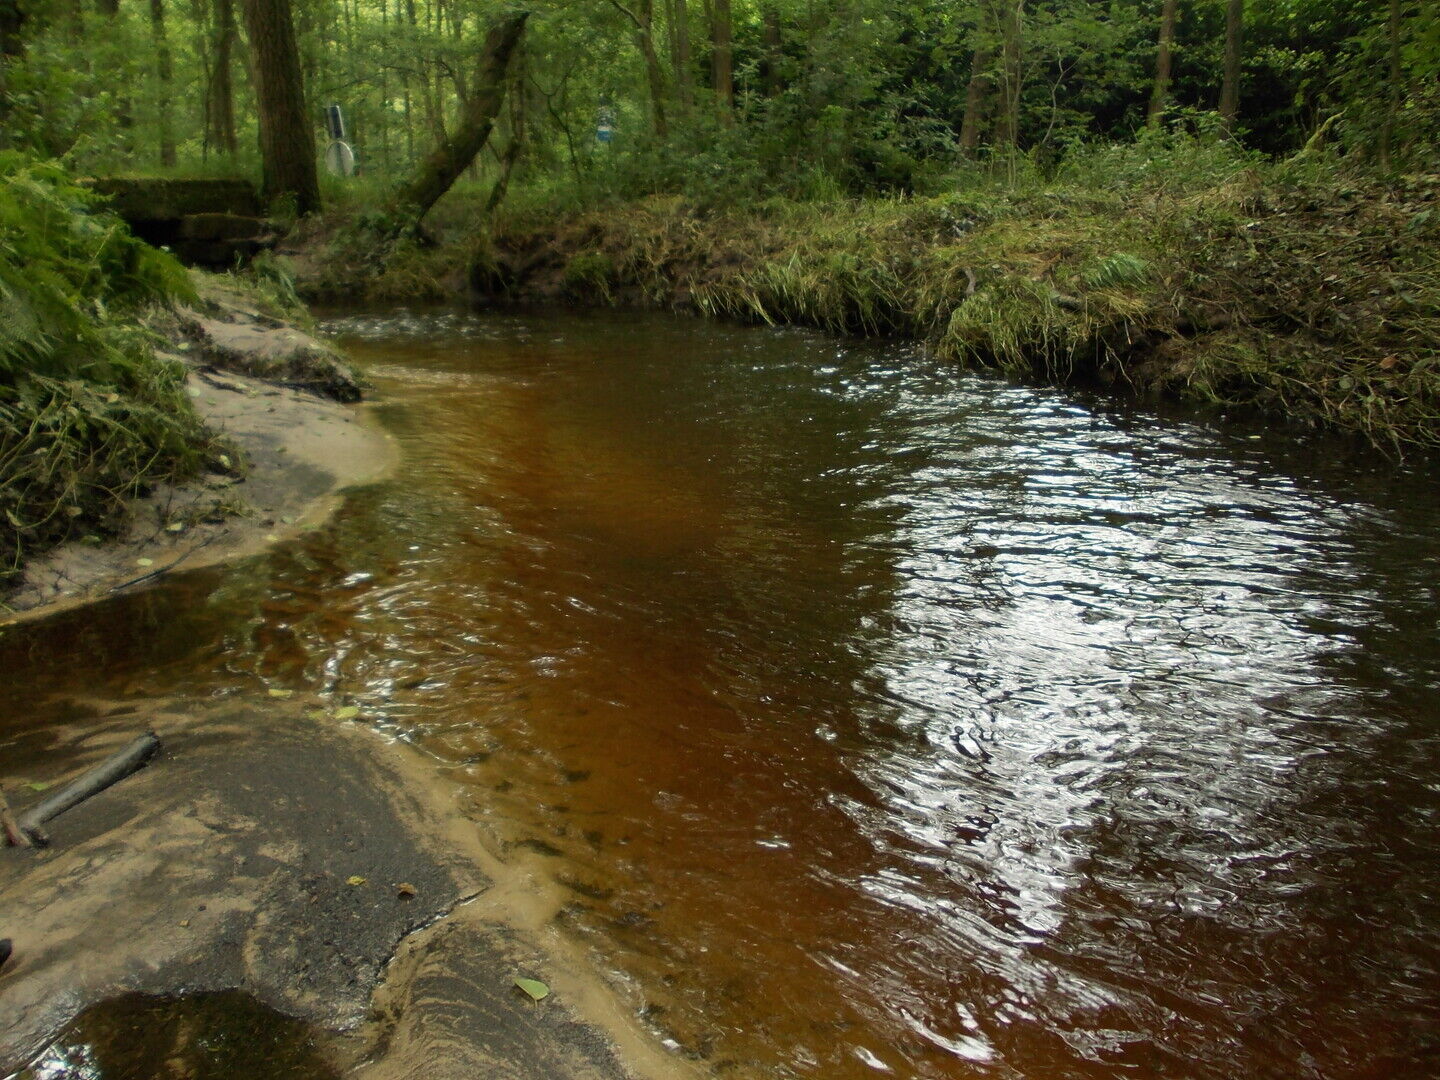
x: 728, y: 101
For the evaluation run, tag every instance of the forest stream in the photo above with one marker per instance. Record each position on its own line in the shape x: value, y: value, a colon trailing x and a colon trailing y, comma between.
x: 882, y: 719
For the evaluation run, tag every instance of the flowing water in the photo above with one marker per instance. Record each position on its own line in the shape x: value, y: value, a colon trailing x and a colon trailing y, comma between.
x: 881, y: 719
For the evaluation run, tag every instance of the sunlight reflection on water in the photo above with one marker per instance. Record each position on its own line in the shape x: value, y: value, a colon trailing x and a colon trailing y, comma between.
x: 882, y: 717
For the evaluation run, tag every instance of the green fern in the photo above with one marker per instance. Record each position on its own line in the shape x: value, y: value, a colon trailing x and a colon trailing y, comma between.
x: 1117, y: 271
x: 89, y: 415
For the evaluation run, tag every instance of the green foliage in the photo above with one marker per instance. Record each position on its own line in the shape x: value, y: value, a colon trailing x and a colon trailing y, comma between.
x: 1117, y: 271
x: 590, y: 273
x: 1296, y: 289
x: 856, y: 98
x: 89, y: 415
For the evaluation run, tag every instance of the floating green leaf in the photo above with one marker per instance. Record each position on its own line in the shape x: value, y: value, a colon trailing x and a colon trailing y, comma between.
x: 537, y: 990
x: 347, y: 712
x: 275, y: 692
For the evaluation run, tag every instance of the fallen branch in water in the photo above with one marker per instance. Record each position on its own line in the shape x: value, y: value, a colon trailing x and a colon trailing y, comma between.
x: 164, y: 569
x: 110, y: 771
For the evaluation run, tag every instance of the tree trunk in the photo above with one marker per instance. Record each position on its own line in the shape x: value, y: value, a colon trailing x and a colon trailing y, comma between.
x: 1007, y: 130
x: 678, y: 13
x: 642, y: 17
x: 977, y: 97
x: 222, y: 84
x: 654, y: 75
x: 287, y: 139
x: 12, y: 48
x: 124, y: 111
x: 512, y: 150
x: 1230, y: 86
x: 774, y: 53
x: 164, y: 73
x: 1160, y: 98
x: 436, y: 173
x: 1396, y: 87
x: 722, y: 58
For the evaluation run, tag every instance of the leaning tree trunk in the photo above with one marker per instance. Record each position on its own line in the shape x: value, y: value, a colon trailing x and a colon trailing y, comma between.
x: 443, y: 167
x: 287, y: 140
x: 1160, y: 98
x: 1230, y: 86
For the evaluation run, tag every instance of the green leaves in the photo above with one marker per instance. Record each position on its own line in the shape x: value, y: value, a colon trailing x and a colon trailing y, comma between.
x: 533, y: 988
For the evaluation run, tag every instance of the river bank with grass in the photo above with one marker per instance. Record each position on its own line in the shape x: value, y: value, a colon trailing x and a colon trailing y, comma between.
x: 151, y: 418
x: 1297, y: 290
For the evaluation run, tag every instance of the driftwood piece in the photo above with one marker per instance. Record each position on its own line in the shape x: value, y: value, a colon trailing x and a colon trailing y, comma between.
x: 110, y: 771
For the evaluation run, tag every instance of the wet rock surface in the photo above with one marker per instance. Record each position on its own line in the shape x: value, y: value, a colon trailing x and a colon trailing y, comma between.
x: 280, y: 354
x: 286, y: 857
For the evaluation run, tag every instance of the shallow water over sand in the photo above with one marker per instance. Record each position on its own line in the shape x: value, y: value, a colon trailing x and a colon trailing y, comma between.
x: 881, y: 719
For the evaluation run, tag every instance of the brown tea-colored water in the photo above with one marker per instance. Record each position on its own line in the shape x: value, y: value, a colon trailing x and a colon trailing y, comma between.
x: 881, y: 719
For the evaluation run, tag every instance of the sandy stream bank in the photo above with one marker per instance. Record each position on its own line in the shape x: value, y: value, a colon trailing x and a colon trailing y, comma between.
x: 225, y: 864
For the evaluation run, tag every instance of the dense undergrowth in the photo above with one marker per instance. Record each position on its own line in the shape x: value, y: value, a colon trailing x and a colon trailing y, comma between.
x: 89, y: 414
x: 1184, y: 267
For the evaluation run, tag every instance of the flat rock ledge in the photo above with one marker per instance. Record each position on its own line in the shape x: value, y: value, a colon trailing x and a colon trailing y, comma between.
x: 225, y: 865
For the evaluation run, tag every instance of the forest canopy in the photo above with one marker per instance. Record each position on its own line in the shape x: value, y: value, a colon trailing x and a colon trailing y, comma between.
x: 724, y: 100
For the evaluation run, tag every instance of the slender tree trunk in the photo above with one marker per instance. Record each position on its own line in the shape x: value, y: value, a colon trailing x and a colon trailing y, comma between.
x: 124, y: 107
x: 774, y: 51
x: 687, y: 55
x: 977, y: 97
x: 512, y: 149
x: 428, y: 103
x: 1396, y: 87
x: 722, y: 58
x: 436, y: 173
x: 654, y: 74
x: 287, y: 138
x: 203, y: 17
x: 1230, y: 85
x: 642, y: 18
x: 384, y: 97
x: 1160, y: 98
x: 679, y: 17
x: 1007, y: 130
x: 164, y: 73
x: 12, y: 48
x: 222, y: 86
